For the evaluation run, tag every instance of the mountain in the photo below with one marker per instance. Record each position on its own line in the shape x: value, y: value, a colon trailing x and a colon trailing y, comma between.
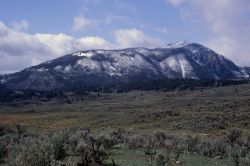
x: 247, y: 70
x: 103, y: 67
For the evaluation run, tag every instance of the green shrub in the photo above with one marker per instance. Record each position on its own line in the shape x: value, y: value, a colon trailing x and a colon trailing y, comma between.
x: 3, y: 148
x: 58, y: 144
x: 20, y: 130
x: 214, y: 148
x: 159, y: 138
x: 85, y: 152
x: 246, y: 160
x: 34, y: 153
x: 191, y: 143
x: 91, y: 153
x: 5, y: 130
x: 38, y: 151
x: 118, y: 135
x: 235, y: 155
x: 135, y: 141
x: 233, y: 136
x: 150, y: 152
x: 161, y: 160
x: 75, y: 137
x: 220, y: 147
x: 106, y: 141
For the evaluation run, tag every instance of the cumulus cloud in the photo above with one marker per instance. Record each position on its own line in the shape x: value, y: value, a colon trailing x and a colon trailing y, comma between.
x: 227, y: 21
x: 81, y: 23
x: 95, y: 43
x: 19, y: 49
x: 134, y: 38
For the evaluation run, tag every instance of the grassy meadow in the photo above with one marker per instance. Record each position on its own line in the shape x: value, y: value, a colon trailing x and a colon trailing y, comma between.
x: 206, y: 114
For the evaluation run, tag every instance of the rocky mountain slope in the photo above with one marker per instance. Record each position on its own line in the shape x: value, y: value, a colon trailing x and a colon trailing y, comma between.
x: 102, y: 67
x: 247, y: 70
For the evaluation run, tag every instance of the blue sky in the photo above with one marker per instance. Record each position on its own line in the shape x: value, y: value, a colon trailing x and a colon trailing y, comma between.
x: 35, y: 31
x: 156, y: 17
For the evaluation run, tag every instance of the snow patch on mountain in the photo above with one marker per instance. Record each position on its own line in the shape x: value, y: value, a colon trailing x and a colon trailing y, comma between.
x: 142, y: 51
x: 110, y: 69
x: 245, y: 73
x: 88, y: 65
x: 67, y: 69
x: 2, y: 81
x: 239, y: 74
x: 134, y: 63
x: 58, y: 68
x: 42, y: 69
x: 85, y: 54
x: 179, y: 64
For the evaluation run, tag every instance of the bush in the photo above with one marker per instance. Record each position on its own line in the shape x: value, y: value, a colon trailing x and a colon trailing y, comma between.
x: 34, y: 153
x: 85, y: 151
x: 161, y: 160
x: 162, y: 149
x: 235, y: 155
x: 220, y: 147
x: 106, y: 141
x: 58, y: 145
x: 214, y: 148
x: 5, y: 130
x: 118, y: 135
x: 38, y: 151
x: 91, y: 153
x: 159, y: 148
x: 135, y: 141
x: 3, y: 148
x: 150, y: 147
x: 150, y: 152
x: 233, y: 136
x: 75, y: 137
x: 20, y: 130
x: 246, y: 160
x: 92, y: 149
x: 191, y: 143
x: 159, y: 138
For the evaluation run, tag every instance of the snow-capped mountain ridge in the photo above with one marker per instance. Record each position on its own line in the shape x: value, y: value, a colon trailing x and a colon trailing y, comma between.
x: 178, y: 60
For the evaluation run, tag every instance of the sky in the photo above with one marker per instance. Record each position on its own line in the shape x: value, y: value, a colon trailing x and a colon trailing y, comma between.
x: 32, y: 32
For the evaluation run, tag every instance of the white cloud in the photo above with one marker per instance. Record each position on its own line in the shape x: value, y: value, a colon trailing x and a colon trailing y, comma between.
x: 22, y: 25
x: 227, y: 22
x: 234, y: 49
x: 134, y: 38
x: 81, y: 23
x: 95, y: 43
x: 19, y: 49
